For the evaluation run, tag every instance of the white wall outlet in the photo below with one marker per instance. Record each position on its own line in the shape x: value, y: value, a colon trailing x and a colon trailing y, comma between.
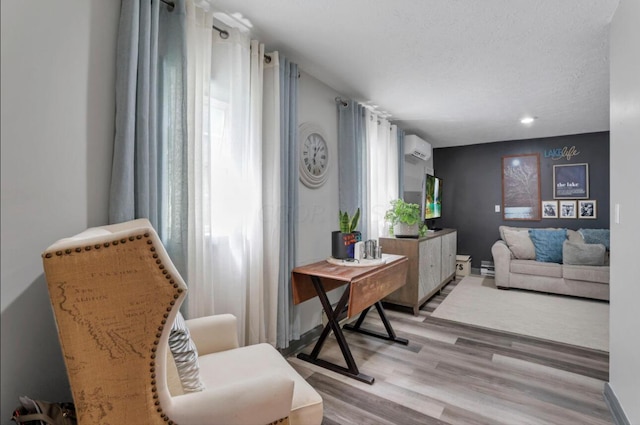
x: 497, y: 208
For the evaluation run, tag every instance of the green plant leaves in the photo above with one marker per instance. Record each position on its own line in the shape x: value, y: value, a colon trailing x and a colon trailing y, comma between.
x: 348, y: 224
x: 402, y: 212
x: 344, y: 222
x: 354, y: 220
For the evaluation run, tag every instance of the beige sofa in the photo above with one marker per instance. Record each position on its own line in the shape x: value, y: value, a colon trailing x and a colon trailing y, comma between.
x: 514, y: 258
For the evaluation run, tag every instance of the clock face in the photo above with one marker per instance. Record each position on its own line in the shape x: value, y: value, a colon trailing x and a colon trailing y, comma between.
x: 313, y: 155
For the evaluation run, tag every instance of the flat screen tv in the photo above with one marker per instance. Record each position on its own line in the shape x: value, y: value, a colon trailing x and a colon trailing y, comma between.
x: 432, y: 197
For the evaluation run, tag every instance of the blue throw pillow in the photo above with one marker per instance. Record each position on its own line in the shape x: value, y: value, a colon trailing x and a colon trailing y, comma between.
x: 600, y: 236
x: 548, y: 244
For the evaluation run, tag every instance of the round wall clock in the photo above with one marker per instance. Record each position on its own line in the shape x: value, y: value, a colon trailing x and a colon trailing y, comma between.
x: 313, y: 155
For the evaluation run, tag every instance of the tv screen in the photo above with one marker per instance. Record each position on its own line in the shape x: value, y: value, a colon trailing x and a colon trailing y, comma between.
x: 432, y: 197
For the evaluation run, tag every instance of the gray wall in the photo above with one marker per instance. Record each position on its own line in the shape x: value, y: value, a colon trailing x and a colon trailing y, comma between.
x: 58, y: 74
x: 317, y: 208
x: 624, y: 345
x: 472, y: 179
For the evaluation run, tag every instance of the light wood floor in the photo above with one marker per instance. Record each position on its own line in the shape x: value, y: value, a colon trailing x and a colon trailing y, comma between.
x: 453, y: 373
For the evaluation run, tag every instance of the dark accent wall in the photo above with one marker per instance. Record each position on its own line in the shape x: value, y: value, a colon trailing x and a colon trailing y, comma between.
x: 472, y: 183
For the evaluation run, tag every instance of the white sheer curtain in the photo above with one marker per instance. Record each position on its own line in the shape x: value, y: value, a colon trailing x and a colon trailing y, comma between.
x: 382, y: 170
x: 226, y: 221
x: 200, y: 249
x: 271, y: 192
x: 393, y: 165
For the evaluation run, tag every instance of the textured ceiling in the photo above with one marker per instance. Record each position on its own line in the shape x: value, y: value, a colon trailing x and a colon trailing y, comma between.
x: 455, y: 72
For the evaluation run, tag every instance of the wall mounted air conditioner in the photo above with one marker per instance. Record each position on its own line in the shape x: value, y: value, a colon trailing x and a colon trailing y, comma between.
x: 413, y: 145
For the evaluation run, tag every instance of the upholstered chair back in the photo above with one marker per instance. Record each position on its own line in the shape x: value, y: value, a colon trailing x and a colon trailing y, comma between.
x: 115, y: 294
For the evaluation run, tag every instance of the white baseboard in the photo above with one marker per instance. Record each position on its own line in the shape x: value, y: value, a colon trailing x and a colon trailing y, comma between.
x: 619, y: 417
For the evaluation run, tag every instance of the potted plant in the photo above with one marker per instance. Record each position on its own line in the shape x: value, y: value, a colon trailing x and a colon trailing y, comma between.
x: 343, y: 240
x: 404, y: 220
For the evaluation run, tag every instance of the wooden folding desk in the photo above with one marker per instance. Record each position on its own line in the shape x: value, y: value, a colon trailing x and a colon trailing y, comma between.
x: 366, y: 286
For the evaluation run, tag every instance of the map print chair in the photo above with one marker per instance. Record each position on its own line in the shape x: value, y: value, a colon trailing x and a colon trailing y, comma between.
x: 115, y: 296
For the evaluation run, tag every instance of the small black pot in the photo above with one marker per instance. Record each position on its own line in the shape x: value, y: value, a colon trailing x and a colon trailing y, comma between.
x: 342, y: 244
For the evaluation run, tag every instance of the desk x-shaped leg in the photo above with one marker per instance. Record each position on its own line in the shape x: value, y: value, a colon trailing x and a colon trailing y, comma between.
x: 333, y: 325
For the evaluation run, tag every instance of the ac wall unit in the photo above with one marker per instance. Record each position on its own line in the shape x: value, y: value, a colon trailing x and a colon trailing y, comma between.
x: 413, y: 145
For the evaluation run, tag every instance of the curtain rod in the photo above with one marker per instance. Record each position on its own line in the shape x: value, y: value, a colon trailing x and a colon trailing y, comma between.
x: 170, y: 5
x: 339, y: 100
x: 224, y: 34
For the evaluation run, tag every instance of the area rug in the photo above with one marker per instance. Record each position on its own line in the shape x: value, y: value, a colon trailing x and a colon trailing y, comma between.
x: 476, y: 301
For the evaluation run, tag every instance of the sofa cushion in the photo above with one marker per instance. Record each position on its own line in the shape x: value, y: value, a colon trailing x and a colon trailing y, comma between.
x: 583, y: 254
x: 535, y: 268
x: 548, y: 244
x: 596, y: 236
x: 519, y: 243
x: 598, y: 274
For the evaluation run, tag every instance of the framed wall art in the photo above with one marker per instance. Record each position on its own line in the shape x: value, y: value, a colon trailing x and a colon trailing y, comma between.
x: 549, y: 209
x: 571, y: 181
x: 567, y: 209
x: 587, y: 209
x: 521, y: 187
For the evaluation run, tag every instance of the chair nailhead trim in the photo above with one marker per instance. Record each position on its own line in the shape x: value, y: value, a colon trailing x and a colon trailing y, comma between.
x: 161, y: 327
x: 165, y: 316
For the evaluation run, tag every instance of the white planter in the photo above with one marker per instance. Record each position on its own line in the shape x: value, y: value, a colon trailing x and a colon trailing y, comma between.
x: 403, y: 230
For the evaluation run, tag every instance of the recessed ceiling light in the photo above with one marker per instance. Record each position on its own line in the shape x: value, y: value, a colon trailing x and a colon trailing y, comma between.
x: 527, y: 120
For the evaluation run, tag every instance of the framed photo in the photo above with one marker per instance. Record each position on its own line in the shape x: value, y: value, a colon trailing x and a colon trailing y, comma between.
x: 567, y: 209
x: 571, y: 181
x: 549, y: 209
x: 587, y: 209
x: 521, y: 187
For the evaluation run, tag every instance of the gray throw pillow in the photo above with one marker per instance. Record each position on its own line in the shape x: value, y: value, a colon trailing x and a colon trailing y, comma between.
x: 582, y: 254
x: 185, y: 355
x: 520, y: 243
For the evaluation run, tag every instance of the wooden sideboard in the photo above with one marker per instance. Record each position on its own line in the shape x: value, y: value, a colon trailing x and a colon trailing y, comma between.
x: 432, y: 264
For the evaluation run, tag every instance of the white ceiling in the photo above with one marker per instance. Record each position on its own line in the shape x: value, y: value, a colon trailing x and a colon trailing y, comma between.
x: 455, y: 72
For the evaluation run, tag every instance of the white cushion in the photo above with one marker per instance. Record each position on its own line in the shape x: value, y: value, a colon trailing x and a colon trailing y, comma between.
x: 218, y: 369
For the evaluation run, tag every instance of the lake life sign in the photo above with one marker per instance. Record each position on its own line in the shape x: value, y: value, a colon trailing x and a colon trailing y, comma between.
x: 564, y: 152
